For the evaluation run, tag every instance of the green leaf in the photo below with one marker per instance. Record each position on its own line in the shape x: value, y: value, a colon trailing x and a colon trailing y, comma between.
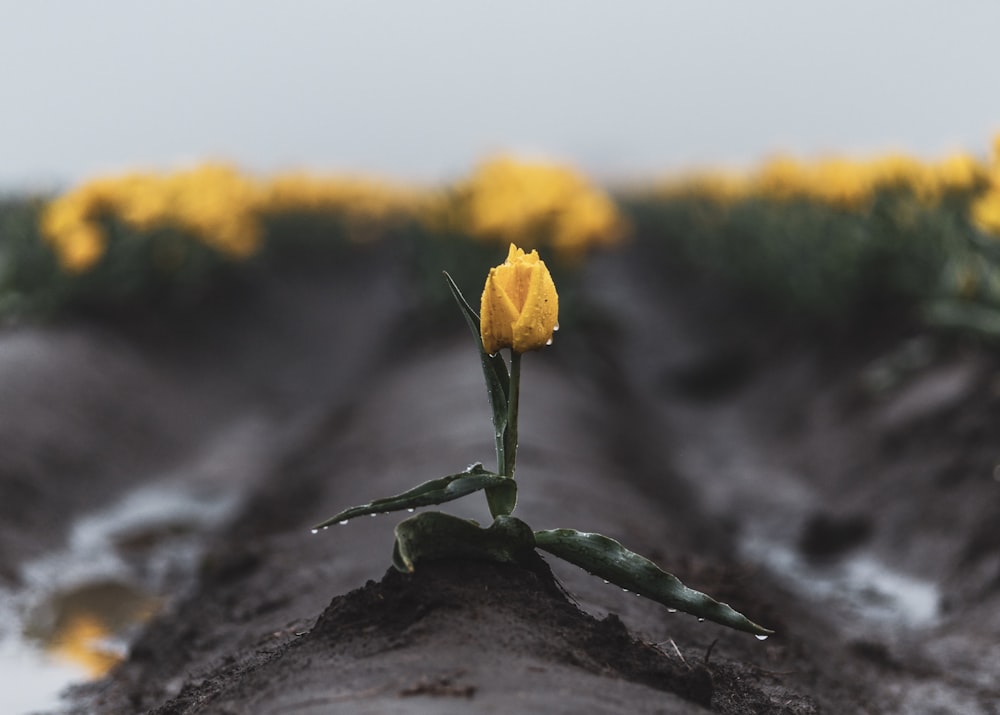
x: 607, y: 559
x: 959, y: 315
x: 433, y: 535
x: 501, y: 499
x: 436, y: 491
x: 494, y: 367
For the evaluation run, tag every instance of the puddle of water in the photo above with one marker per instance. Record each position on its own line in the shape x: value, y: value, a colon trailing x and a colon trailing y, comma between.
x: 861, y: 587
x: 77, y: 609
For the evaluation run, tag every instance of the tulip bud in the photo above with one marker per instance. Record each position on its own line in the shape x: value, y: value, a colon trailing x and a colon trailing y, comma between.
x: 520, y: 308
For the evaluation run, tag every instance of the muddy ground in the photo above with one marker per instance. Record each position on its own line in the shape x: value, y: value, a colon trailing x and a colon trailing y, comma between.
x: 842, y: 492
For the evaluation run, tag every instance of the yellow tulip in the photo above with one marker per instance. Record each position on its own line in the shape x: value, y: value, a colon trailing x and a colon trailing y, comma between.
x: 520, y: 308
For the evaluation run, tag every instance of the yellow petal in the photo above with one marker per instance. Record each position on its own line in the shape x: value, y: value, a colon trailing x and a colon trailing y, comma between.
x: 520, y: 307
x: 539, y: 314
x: 497, y: 315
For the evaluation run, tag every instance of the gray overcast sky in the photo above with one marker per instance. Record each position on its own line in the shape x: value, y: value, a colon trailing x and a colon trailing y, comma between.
x: 424, y: 89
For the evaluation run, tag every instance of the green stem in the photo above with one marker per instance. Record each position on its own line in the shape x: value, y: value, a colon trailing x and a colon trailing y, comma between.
x: 510, y: 436
x: 502, y: 498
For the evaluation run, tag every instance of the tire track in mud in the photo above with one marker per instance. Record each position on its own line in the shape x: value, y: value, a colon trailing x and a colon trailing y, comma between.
x: 793, y: 450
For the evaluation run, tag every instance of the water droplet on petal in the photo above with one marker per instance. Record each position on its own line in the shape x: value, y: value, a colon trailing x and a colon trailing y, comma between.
x: 761, y: 637
x: 555, y: 327
x: 549, y: 341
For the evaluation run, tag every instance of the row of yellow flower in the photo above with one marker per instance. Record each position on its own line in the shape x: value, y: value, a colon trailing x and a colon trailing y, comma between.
x: 504, y: 199
x: 852, y: 184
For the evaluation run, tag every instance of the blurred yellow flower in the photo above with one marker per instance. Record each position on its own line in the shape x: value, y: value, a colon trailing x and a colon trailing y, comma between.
x: 842, y: 183
x: 720, y: 185
x: 531, y: 202
x: 960, y: 172
x: 986, y: 212
x: 80, y: 248
x: 216, y: 205
x: 520, y: 307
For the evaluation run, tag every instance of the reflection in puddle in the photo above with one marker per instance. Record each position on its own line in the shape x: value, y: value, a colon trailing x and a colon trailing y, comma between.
x: 90, y: 625
x: 77, y: 610
x: 82, y: 641
x: 871, y: 591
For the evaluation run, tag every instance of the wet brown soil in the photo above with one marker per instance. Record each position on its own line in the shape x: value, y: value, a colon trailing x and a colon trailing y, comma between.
x: 844, y: 494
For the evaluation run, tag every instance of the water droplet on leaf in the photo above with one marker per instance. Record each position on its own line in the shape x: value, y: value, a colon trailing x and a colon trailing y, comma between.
x: 761, y: 637
x: 343, y: 522
x: 315, y: 531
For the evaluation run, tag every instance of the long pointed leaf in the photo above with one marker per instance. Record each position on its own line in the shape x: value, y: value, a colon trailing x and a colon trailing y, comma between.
x: 608, y: 559
x: 494, y: 367
x: 436, y: 491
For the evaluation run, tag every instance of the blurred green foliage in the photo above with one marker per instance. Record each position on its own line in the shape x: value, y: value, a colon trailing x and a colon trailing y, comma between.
x: 836, y: 246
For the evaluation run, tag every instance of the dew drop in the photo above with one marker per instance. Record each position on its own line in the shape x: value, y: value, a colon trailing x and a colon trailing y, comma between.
x: 625, y: 590
x: 343, y: 522
x: 605, y: 580
x: 326, y: 527
x: 373, y: 515
x: 761, y: 637
x: 410, y: 510
x: 701, y: 620
x: 555, y: 327
x: 315, y: 531
x: 549, y: 341
x: 671, y: 610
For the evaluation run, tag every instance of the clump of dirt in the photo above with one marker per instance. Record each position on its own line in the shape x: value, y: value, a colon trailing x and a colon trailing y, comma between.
x: 523, y: 611
x: 484, y: 634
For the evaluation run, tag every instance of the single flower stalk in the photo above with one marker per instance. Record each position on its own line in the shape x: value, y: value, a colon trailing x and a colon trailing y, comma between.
x: 519, y: 311
x: 520, y: 307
